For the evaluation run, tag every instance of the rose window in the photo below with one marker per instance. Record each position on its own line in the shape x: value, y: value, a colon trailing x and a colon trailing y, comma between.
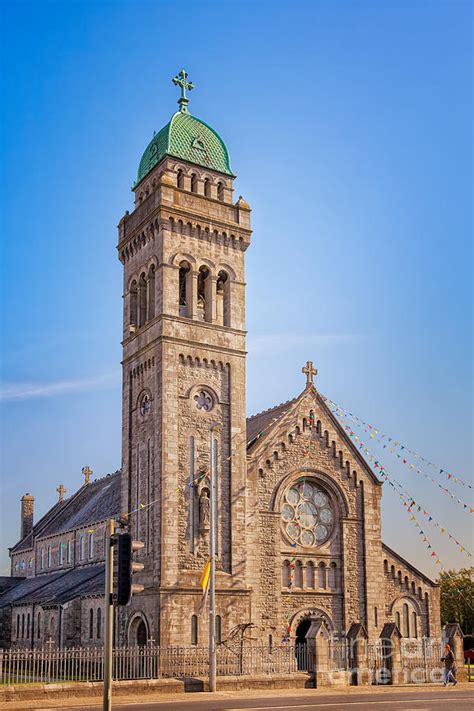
x: 145, y: 405
x: 307, y: 514
x: 203, y: 401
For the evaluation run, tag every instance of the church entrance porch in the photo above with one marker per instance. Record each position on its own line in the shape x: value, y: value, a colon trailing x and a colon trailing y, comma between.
x: 301, y: 645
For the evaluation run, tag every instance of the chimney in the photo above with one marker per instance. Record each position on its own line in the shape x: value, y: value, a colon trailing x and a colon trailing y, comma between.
x: 27, y: 510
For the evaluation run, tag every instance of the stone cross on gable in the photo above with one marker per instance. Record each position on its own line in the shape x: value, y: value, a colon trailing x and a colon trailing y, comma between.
x: 87, y: 471
x: 61, y: 491
x: 181, y: 80
x: 310, y: 372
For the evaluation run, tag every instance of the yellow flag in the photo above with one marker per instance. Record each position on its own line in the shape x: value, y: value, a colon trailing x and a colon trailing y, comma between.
x: 204, y: 582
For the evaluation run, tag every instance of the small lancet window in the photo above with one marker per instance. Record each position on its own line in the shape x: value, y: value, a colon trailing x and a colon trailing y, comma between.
x: 204, y: 301
x: 194, y: 629
x: 180, y: 178
x: 207, y: 187
x: 142, y: 300
x: 185, y: 287
x: 220, y: 191
x: 194, y: 183
x: 151, y: 292
x: 223, y: 299
x: 133, y: 306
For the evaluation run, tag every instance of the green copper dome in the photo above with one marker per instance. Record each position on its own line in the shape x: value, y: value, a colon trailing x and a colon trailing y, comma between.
x: 185, y: 137
x: 188, y: 138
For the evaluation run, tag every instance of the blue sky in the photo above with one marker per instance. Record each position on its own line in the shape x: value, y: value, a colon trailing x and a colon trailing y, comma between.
x: 349, y: 127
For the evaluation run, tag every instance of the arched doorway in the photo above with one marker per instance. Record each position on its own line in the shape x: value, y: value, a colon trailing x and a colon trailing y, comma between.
x: 142, y: 635
x: 301, y: 644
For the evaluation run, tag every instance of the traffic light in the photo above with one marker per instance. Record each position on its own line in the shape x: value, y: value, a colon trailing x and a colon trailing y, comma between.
x: 127, y: 567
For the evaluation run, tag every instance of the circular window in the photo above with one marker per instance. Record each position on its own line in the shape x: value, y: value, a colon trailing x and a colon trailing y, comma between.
x: 145, y: 405
x: 203, y: 401
x: 307, y: 514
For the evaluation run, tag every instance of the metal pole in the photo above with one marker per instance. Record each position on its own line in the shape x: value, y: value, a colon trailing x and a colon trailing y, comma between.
x: 109, y: 614
x: 212, y: 554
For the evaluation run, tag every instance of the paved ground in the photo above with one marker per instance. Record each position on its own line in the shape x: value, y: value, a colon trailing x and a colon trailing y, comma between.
x: 378, y: 699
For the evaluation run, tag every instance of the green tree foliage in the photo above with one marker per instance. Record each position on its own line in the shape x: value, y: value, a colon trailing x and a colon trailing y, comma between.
x: 457, y: 598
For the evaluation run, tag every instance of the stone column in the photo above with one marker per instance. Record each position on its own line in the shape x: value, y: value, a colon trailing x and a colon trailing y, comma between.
x: 454, y: 636
x: 317, y: 641
x: 392, y: 653
x: 358, y: 654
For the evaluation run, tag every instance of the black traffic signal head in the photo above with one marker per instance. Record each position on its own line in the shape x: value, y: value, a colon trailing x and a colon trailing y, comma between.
x: 126, y: 567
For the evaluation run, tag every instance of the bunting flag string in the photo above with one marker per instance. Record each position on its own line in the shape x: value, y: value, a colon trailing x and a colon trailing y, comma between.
x: 392, y: 444
x: 363, y: 447
x: 409, y: 501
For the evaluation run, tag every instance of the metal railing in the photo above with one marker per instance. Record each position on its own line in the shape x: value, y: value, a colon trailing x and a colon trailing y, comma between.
x: 148, y: 662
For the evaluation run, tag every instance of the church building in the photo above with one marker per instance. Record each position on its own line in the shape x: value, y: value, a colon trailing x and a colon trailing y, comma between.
x: 298, y: 507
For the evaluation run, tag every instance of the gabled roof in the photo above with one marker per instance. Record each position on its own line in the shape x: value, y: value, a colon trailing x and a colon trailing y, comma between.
x: 262, y: 424
x: 56, y: 588
x: 96, y: 501
x: 408, y: 565
x: 262, y: 421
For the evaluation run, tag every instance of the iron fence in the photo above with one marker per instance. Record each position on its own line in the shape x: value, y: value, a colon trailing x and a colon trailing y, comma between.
x: 148, y: 662
x: 421, y: 660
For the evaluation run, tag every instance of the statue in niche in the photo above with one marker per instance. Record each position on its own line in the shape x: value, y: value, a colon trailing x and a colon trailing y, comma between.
x: 204, y: 510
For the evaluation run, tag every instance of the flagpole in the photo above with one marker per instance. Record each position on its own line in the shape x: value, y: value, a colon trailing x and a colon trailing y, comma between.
x: 212, y: 553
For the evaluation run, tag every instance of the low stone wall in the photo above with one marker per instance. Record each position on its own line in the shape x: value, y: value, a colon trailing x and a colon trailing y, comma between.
x: 48, y: 692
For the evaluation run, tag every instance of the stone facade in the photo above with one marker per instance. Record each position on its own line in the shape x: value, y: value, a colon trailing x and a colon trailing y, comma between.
x: 298, y: 508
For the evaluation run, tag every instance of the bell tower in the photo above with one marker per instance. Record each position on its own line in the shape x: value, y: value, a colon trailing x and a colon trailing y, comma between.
x: 182, y: 250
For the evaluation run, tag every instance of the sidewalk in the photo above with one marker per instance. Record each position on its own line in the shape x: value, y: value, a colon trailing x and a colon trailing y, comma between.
x: 65, y: 695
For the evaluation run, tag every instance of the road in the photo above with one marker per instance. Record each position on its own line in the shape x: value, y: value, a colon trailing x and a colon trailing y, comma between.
x: 417, y: 699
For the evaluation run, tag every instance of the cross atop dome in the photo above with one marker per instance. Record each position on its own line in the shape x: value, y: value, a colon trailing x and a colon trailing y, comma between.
x: 181, y: 80
x: 310, y: 372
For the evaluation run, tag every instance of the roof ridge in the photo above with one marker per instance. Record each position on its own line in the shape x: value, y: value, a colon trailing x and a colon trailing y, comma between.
x: 257, y: 414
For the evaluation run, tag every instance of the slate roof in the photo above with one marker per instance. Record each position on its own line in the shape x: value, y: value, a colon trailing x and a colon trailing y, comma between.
x: 58, y: 587
x: 93, y: 502
x: 262, y: 420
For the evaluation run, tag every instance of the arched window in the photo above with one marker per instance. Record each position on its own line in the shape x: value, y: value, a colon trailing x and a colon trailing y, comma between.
x: 407, y: 584
x: 185, y: 289
x: 218, y: 629
x: 91, y: 623
x: 180, y: 178
x: 81, y: 547
x: 223, y: 299
x: 270, y: 644
x: 204, y: 299
x: 332, y: 576
x: 49, y: 557
x: 61, y: 552
x: 207, y: 187
x: 322, y: 579
x: 414, y: 624
x: 318, y: 427
x: 398, y: 621
x: 406, y: 620
x: 91, y: 545
x: 28, y: 625
x: 399, y: 575
x: 151, y: 292
x: 142, y: 300
x: 310, y: 575
x: 42, y: 558
x: 99, y: 623
x: 38, y: 626
x: 194, y: 183
x: 392, y: 571
x: 18, y: 626
x: 23, y: 626
x: 298, y: 574
x: 376, y: 617
x: 285, y: 574
x: 69, y: 551
x: 194, y: 630
x: 413, y: 588
x: 133, y: 306
x: 220, y: 191
x: 420, y: 594
x: 385, y: 567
